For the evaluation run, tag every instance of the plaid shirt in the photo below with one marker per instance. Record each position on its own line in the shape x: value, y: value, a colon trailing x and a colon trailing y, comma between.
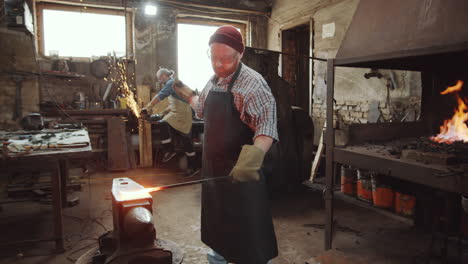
x: 252, y: 98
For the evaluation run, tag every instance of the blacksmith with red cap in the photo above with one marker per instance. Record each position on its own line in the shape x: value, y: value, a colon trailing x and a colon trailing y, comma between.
x: 239, y: 112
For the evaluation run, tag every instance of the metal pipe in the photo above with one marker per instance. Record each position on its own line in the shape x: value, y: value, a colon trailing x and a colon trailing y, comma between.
x: 329, y: 148
x: 192, y: 182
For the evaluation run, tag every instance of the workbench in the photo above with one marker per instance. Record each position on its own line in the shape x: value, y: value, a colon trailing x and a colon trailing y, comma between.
x: 47, y: 150
x: 375, y: 158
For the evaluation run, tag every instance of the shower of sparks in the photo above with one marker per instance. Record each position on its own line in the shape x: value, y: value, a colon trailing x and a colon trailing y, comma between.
x: 125, y: 90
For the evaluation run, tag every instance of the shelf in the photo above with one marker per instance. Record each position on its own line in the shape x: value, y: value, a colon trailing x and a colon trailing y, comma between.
x: 366, y: 205
x: 63, y: 74
x: 353, y: 200
x: 89, y: 112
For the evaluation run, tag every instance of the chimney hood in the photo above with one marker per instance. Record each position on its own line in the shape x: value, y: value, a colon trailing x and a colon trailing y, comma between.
x: 407, y: 35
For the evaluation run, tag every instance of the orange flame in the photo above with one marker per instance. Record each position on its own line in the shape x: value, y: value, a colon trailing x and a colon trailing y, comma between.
x: 140, y: 194
x: 457, y: 87
x: 454, y: 129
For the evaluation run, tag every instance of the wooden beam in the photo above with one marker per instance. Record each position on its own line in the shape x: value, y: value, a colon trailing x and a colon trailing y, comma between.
x: 144, y: 129
x: 117, y: 149
x: 146, y: 147
x: 243, y: 11
x: 103, y: 5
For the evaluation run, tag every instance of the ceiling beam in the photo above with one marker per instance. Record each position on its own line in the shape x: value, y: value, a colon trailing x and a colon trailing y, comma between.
x: 243, y: 11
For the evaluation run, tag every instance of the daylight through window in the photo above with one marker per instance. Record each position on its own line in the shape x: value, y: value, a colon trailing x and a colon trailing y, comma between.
x: 81, y: 34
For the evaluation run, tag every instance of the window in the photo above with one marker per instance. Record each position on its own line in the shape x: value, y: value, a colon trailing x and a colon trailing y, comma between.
x: 194, y: 66
x: 69, y: 31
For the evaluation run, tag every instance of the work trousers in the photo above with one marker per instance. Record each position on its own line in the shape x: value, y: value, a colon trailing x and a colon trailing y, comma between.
x: 167, y: 134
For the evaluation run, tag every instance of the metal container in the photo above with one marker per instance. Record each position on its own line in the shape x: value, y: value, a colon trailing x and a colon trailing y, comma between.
x: 364, y: 186
x: 79, y: 101
x: 33, y: 121
x: 382, y: 194
x: 348, y: 181
x: 405, y: 204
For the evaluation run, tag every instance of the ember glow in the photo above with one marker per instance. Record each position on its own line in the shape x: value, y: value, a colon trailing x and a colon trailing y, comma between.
x: 140, y: 194
x: 454, y: 129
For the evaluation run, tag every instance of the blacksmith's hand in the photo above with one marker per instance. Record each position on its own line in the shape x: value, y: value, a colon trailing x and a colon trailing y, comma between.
x: 182, y: 90
x: 248, y: 164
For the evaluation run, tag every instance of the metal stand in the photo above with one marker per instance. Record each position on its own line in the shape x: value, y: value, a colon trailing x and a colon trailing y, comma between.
x: 329, y: 146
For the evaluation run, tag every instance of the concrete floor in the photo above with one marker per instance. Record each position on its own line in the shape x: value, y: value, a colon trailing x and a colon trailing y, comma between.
x: 361, y: 236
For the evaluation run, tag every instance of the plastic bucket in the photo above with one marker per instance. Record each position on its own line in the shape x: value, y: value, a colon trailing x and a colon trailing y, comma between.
x: 348, y: 181
x: 404, y: 204
x: 364, y: 185
x: 382, y: 194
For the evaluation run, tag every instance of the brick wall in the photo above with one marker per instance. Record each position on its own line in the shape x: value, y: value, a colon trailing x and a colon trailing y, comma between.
x: 362, y: 112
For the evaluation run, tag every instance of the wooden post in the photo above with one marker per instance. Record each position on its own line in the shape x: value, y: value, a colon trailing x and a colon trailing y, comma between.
x: 57, y: 207
x: 318, y: 156
x: 144, y: 129
x: 117, y: 150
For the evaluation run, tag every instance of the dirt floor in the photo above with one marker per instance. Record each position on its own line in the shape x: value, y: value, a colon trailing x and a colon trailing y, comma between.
x: 361, y: 236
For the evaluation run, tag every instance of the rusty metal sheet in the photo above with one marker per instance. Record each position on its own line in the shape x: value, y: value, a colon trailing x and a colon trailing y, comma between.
x: 404, y: 34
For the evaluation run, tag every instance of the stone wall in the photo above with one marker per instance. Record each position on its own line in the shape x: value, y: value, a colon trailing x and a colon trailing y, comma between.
x: 18, y: 66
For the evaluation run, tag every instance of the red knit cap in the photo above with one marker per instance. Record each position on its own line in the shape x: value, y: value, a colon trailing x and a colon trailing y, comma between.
x: 230, y: 36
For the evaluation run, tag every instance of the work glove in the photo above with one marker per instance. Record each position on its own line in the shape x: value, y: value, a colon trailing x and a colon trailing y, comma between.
x: 144, y: 113
x: 183, y: 90
x: 248, y: 164
x: 155, y: 117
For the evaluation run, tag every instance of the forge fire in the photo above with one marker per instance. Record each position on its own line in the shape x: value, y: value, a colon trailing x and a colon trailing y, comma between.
x: 454, y: 129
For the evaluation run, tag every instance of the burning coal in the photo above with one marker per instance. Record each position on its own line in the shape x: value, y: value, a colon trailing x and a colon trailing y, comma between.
x: 454, y: 129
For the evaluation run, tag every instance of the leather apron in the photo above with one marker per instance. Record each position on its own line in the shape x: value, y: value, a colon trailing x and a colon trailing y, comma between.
x: 235, y: 220
x: 179, y: 116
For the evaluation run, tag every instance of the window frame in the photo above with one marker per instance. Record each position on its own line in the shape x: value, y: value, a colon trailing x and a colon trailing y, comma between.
x: 129, y: 14
x: 218, y: 22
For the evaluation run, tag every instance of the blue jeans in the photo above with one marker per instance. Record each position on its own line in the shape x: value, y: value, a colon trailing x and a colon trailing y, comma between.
x: 215, y: 258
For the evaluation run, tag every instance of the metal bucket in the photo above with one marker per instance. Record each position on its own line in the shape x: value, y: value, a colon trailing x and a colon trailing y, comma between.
x: 364, y: 185
x: 404, y: 204
x: 348, y: 181
x: 382, y: 194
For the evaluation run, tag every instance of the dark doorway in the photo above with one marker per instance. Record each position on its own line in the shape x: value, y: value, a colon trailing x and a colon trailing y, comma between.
x: 295, y: 67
